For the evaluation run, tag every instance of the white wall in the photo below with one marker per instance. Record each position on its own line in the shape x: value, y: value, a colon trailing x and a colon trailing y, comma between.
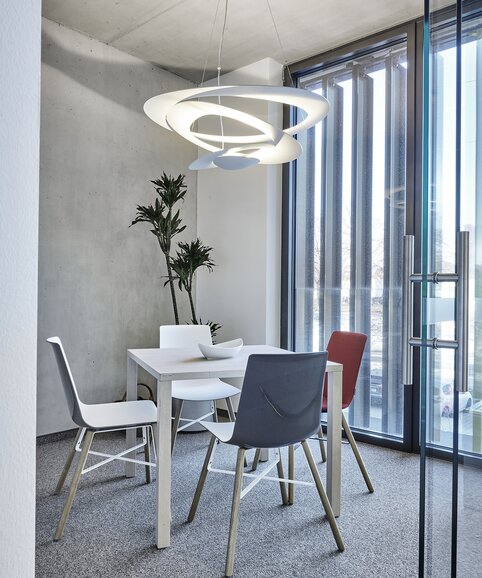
x: 100, y: 283
x: 239, y: 215
x: 19, y: 164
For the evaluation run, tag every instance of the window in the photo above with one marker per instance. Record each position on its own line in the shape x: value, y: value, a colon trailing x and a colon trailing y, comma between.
x: 442, y: 231
x: 348, y: 201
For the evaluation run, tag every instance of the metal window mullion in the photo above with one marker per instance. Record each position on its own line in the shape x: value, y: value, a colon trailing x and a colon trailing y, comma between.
x: 362, y: 245
x: 387, y: 233
x: 309, y: 262
x: 333, y: 214
x: 324, y: 218
x: 399, y: 165
x: 353, y: 215
x: 304, y: 240
x: 395, y: 160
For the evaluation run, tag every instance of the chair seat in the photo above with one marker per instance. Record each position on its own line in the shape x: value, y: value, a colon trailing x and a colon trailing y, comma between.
x: 118, y: 415
x: 222, y: 430
x: 202, y: 389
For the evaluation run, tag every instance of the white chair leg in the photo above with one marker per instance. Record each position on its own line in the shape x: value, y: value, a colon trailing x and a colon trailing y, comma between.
x: 323, y: 497
x: 322, y: 445
x: 233, y: 527
x: 75, y: 482
x: 202, y: 479
x: 68, y: 463
x: 356, y: 451
x: 229, y: 405
x: 291, y: 474
x: 257, y: 455
x: 282, y: 485
x: 232, y: 417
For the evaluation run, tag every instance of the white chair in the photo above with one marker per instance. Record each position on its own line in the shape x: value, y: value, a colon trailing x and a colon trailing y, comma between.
x: 177, y: 336
x: 92, y: 419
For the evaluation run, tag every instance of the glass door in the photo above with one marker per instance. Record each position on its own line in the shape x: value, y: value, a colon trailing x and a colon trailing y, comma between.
x: 450, y: 283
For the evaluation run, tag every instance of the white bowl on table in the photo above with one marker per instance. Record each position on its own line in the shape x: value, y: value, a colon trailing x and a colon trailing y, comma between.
x: 221, y: 350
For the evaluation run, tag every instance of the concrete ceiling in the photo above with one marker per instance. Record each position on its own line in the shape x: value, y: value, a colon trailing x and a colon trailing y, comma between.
x: 174, y: 34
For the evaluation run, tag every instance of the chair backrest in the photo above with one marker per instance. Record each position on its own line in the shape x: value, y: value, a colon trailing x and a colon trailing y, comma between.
x: 184, y: 335
x: 346, y: 347
x: 73, y: 400
x: 280, y: 399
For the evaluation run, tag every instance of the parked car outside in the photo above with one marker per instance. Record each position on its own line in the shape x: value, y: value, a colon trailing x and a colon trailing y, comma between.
x: 447, y: 401
x: 376, y: 387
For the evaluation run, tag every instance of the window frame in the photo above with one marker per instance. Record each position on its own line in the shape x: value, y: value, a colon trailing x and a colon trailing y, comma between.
x: 411, y: 32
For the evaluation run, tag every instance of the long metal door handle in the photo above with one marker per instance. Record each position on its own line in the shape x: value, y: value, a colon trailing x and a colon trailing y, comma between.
x: 462, y: 312
x: 407, y: 309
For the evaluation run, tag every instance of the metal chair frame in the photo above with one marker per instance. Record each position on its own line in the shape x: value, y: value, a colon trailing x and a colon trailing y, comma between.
x: 90, y: 424
x: 119, y: 456
x: 263, y: 474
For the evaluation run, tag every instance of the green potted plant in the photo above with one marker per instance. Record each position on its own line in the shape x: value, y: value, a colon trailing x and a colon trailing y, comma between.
x: 165, y: 222
x: 189, y: 258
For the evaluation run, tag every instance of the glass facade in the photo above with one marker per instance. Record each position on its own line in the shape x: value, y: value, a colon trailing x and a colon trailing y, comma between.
x: 349, y: 202
x: 442, y: 231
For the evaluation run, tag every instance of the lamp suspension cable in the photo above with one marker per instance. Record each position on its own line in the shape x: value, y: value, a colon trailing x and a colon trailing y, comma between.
x: 181, y: 110
x: 220, y: 51
x: 221, y: 40
x: 283, y: 53
x: 209, y: 43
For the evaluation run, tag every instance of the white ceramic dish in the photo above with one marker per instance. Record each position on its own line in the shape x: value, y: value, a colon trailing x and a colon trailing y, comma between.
x: 221, y: 350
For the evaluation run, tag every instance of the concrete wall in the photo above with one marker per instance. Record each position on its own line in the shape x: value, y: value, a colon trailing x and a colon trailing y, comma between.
x: 19, y: 165
x: 100, y: 283
x: 239, y: 215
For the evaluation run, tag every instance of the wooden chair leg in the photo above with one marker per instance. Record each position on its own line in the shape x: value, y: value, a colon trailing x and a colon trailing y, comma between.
x: 202, y: 479
x: 282, y: 485
x: 175, y: 422
x: 356, y: 451
x: 87, y: 442
x: 323, y: 497
x: 68, y: 463
x: 232, y: 417
x: 291, y: 474
x: 153, y: 432
x: 257, y: 454
x: 147, y: 452
x: 233, y: 527
x: 322, y: 445
x: 229, y: 405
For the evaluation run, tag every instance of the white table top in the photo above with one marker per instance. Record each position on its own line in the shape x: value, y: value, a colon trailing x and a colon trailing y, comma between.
x: 188, y: 363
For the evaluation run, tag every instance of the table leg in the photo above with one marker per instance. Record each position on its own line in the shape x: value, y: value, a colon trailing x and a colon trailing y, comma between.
x: 131, y: 394
x: 333, y: 465
x: 163, y: 491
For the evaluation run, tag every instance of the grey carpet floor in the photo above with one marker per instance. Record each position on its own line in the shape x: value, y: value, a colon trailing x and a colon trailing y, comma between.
x: 110, y: 532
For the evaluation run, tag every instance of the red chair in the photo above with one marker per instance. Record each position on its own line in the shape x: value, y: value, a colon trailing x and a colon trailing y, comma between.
x: 347, y: 348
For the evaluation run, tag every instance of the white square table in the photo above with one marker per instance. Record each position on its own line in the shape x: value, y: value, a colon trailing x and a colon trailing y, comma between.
x: 166, y: 365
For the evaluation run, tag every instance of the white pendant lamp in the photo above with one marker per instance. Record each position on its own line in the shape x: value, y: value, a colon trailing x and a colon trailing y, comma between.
x: 179, y: 111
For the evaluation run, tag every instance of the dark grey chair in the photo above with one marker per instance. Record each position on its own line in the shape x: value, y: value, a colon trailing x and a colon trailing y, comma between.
x: 279, y: 406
